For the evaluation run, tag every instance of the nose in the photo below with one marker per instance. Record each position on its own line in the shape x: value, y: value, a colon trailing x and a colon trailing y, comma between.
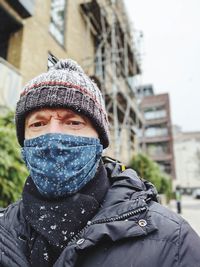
x: 55, y: 126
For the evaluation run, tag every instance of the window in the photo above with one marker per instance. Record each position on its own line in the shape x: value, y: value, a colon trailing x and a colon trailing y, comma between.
x: 8, y: 26
x: 156, y: 131
x: 166, y: 167
x: 158, y: 149
x: 57, y: 23
x: 147, y: 91
x: 155, y: 114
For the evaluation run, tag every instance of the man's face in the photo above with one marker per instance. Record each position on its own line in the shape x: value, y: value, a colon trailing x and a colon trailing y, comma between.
x: 58, y: 120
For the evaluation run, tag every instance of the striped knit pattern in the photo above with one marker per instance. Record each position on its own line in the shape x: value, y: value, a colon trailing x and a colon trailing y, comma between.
x: 64, y: 85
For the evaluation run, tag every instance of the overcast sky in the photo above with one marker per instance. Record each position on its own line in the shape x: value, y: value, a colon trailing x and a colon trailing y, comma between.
x: 171, y: 53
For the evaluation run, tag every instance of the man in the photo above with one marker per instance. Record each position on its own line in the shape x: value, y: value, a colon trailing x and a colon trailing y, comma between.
x: 178, y: 199
x: 76, y: 209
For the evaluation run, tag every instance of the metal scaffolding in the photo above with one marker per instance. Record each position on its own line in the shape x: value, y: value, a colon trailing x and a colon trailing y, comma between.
x: 115, y: 62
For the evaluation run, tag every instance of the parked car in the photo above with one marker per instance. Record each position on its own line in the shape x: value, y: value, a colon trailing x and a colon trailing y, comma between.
x: 196, y: 193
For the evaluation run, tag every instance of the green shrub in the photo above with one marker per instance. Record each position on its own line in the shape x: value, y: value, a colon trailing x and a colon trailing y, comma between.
x: 12, y: 169
x: 150, y: 170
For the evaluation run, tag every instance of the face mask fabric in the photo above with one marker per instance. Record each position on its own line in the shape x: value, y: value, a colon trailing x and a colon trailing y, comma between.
x: 61, y: 164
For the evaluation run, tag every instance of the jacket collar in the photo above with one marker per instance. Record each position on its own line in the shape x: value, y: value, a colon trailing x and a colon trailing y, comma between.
x: 126, y: 194
x: 115, y: 220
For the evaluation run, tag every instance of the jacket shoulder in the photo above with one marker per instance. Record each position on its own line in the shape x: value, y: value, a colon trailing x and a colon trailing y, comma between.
x: 158, y: 210
x: 12, y: 229
x: 12, y: 215
x: 176, y: 230
x: 170, y: 225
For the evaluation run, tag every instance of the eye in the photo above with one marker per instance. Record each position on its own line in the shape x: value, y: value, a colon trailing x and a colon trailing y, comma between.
x: 37, y: 124
x: 75, y: 124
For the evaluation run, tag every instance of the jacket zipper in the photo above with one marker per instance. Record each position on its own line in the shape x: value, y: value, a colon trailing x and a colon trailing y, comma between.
x: 112, y: 219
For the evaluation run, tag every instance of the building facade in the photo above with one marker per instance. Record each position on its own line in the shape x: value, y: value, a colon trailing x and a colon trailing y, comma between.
x: 156, y: 140
x: 143, y: 91
x: 187, y: 159
x: 96, y: 34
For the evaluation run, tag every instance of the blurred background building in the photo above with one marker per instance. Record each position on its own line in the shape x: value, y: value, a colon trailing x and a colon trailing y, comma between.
x: 156, y: 138
x: 187, y: 157
x: 97, y: 34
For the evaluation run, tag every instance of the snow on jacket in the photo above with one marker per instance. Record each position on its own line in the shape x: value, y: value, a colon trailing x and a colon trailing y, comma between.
x: 130, y: 230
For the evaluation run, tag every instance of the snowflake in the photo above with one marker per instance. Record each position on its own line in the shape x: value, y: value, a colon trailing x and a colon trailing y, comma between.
x: 82, y: 211
x: 46, y: 257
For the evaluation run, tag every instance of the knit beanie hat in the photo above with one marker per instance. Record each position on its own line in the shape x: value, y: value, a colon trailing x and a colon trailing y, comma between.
x: 65, y: 85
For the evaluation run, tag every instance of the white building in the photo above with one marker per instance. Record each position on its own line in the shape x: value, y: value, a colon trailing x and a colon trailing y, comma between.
x: 187, y: 159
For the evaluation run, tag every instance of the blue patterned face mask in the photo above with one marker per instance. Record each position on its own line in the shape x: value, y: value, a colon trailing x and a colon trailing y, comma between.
x: 61, y: 164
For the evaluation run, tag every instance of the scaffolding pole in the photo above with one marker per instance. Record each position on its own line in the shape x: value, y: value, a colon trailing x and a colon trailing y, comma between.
x: 114, y: 86
x: 111, y: 56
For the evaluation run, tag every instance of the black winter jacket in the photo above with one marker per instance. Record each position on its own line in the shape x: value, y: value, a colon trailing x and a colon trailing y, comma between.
x: 130, y: 230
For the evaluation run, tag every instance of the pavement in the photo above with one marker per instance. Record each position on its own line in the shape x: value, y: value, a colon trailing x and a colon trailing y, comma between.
x: 190, y: 211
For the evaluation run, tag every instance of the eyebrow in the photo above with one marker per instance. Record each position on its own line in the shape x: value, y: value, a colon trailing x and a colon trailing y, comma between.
x: 43, y: 115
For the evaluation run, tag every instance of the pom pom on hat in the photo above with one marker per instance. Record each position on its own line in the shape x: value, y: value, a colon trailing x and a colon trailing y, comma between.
x: 68, y: 65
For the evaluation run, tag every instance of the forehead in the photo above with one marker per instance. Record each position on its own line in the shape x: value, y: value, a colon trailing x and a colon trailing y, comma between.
x: 52, y: 112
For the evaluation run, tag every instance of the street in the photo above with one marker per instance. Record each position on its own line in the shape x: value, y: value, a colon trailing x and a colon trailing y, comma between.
x: 190, y: 211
